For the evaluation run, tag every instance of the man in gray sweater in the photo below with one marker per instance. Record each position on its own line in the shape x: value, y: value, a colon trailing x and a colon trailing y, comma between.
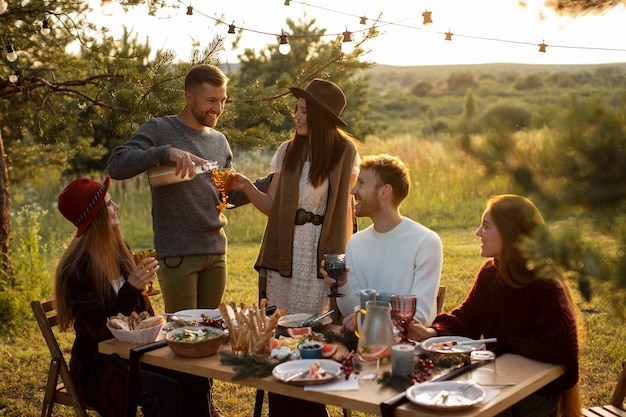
x: 188, y: 228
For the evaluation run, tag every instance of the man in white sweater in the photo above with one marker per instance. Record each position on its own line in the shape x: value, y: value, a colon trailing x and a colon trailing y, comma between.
x: 395, y: 254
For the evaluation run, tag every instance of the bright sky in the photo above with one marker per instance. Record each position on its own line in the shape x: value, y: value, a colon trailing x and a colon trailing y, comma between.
x: 484, y: 31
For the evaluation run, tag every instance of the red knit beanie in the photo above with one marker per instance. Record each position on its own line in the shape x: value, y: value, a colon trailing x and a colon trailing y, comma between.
x: 80, y: 201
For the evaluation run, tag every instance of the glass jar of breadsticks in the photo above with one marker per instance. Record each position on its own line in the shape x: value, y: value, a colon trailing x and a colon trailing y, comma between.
x: 250, y: 329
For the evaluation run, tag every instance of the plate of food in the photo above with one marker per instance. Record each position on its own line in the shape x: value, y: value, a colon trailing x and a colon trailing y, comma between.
x: 307, y: 371
x: 451, y: 344
x: 446, y: 395
x: 197, y: 317
x: 294, y: 320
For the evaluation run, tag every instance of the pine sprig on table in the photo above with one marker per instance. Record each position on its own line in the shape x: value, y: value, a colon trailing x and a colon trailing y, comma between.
x: 348, y: 339
x: 246, y: 365
x: 399, y: 383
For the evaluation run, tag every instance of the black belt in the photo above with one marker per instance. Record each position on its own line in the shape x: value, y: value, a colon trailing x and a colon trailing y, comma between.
x: 303, y: 216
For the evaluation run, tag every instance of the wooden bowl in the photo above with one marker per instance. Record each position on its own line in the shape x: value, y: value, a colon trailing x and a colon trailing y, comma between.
x: 195, y: 341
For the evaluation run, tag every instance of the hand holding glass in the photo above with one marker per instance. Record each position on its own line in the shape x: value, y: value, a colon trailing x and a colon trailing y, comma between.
x: 335, y: 265
x: 140, y: 256
x: 403, y: 308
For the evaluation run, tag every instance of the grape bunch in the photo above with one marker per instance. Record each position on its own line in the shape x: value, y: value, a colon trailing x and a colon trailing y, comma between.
x: 423, y: 370
x: 347, y: 366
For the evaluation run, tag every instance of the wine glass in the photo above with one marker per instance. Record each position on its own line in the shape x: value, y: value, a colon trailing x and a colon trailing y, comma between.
x: 221, y: 178
x: 403, y: 308
x: 139, y: 256
x: 334, y: 265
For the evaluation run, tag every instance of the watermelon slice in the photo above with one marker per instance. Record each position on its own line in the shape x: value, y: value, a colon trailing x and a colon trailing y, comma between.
x: 328, y: 349
x: 299, y: 331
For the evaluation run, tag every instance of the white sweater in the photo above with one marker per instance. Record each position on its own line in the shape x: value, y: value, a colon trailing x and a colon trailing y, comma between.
x: 404, y: 260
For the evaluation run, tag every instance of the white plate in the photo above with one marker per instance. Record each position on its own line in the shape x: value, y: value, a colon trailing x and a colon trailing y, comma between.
x: 428, y: 344
x: 283, y: 371
x: 460, y: 395
x: 294, y: 320
x: 197, y: 314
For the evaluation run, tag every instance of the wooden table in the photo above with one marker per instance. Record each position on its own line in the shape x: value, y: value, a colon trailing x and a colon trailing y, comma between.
x: 528, y: 376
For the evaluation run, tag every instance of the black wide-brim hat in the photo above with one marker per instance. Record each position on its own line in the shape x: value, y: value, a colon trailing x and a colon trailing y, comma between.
x: 326, y: 96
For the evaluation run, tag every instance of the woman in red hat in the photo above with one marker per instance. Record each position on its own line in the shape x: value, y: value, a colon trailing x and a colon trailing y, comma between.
x: 97, y: 278
x: 310, y: 211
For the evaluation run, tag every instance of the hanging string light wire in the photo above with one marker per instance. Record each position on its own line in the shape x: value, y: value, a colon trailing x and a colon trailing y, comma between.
x: 379, y: 23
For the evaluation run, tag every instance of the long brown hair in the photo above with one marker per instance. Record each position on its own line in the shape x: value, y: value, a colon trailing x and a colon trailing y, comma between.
x: 107, y: 255
x: 323, y: 145
x: 517, y: 217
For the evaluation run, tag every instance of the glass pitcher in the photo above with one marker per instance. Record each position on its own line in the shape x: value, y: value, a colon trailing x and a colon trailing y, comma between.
x: 376, y: 334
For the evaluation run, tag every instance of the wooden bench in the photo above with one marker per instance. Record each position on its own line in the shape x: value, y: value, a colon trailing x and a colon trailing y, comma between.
x: 616, y: 407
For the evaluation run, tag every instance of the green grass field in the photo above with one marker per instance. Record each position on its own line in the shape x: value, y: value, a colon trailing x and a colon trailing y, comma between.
x: 448, y: 195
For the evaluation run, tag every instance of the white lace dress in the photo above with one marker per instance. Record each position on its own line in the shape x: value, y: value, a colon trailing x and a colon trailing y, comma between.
x: 303, y: 292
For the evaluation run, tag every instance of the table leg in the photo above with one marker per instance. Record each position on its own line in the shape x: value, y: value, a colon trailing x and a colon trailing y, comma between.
x: 258, y: 402
x: 134, y: 367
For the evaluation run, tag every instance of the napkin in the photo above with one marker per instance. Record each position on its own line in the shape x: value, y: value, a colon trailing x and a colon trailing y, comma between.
x: 490, y: 394
x: 340, y: 384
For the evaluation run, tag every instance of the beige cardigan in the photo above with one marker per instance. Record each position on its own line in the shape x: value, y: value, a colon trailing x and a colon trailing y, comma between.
x: 276, y: 247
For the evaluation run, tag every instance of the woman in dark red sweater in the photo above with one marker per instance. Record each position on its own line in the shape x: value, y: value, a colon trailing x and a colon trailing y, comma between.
x: 530, y: 316
x: 97, y: 278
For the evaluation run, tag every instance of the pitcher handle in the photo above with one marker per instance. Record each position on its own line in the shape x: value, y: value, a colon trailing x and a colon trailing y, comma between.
x: 356, y: 321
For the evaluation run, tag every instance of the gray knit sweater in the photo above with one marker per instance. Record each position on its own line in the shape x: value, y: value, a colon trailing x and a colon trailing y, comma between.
x: 184, y: 218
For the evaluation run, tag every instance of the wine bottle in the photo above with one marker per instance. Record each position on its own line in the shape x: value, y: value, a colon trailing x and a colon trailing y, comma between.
x: 166, y: 174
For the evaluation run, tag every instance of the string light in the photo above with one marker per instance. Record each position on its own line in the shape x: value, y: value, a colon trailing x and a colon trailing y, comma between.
x: 542, y: 46
x: 347, y: 46
x: 286, y: 3
x: 427, y: 19
x: 107, y: 7
x: 11, y: 54
x: 231, y: 28
x: 45, y: 28
x: 284, y: 47
x: 3, y: 6
x: 189, y: 11
x: 14, y: 78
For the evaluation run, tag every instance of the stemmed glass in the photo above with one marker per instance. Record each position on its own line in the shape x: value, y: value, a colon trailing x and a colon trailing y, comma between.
x: 335, y: 265
x: 139, y: 256
x: 403, y: 308
x: 222, y: 178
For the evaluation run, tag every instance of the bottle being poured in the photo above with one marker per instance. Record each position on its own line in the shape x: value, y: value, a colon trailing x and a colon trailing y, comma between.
x: 166, y: 174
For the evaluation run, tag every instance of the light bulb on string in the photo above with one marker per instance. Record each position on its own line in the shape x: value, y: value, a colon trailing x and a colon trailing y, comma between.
x: 284, y: 47
x: 363, y: 20
x: 11, y: 54
x: 14, y: 78
x: 449, y: 35
x: 107, y: 7
x: 189, y: 11
x: 347, y: 46
x: 45, y: 27
x: 231, y: 28
x: 286, y: 3
x: 3, y: 6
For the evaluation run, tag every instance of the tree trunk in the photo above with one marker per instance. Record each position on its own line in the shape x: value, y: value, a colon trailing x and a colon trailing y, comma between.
x: 6, y: 270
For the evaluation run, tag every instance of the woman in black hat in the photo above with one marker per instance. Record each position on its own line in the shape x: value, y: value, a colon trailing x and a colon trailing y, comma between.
x: 309, y: 206
x: 97, y: 278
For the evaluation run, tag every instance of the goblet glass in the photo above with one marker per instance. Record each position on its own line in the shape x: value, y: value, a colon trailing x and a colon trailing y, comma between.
x: 335, y: 265
x: 403, y: 308
x: 139, y: 256
x: 222, y: 178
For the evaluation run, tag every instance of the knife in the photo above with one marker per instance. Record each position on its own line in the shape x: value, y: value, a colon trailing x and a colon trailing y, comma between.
x: 463, y: 342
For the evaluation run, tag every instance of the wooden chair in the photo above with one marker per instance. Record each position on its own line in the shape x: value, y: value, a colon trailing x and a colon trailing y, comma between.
x: 63, y: 391
x: 616, y: 407
x: 441, y: 293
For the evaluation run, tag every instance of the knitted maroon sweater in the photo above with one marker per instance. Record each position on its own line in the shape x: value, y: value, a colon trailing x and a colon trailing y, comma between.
x: 535, y: 321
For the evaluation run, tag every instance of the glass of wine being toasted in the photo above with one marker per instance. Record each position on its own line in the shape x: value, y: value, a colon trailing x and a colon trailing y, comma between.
x: 138, y: 257
x: 335, y: 265
x: 222, y: 178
